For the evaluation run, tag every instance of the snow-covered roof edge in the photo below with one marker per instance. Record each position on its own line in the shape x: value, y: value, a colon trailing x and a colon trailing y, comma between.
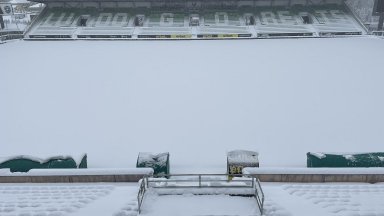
x: 63, y: 1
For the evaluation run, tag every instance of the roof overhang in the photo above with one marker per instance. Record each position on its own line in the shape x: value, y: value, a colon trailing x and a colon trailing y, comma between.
x: 273, y: 2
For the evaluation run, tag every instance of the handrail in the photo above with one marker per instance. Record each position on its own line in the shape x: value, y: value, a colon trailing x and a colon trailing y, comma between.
x: 10, y: 35
x: 357, y: 17
x: 259, y: 201
x: 141, y: 193
x: 38, y: 17
x: 378, y: 33
x: 199, y: 181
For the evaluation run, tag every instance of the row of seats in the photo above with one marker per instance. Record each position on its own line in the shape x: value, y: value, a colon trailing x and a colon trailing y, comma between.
x: 124, y: 23
x: 65, y: 18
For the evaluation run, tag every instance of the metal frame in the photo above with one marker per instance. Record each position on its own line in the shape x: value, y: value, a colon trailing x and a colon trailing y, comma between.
x: 198, y: 181
x: 140, y: 195
x: 356, y: 17
x: 378, y: 33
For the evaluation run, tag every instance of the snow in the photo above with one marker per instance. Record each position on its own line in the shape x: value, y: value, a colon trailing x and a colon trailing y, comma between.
x: 64, y: 199
x: 150, y: 159
x: 340, y: 200
x: 4, y: 172
x: 318, y: 155
x: 243, y: 157
x: 74, y: 172
x: 194, y: 99
x: 289, y: 170
x: 349, y: 157
x: 100, y: 199
x: 199, y: 205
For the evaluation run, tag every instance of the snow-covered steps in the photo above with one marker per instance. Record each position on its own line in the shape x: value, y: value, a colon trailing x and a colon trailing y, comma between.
x: 33, y: 199
x: 68, y: 199
x: 192, y: 205
x: 202, y: 185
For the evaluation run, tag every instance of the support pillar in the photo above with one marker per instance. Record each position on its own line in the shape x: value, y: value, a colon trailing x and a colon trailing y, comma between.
x: 381, y: 22
x: 2, y: 26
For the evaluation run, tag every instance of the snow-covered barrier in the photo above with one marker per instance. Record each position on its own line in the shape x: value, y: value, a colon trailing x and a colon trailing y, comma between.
x: 316, y: 159
x: 75, y: 175
x: 369, y: 175
x: 24, y: 163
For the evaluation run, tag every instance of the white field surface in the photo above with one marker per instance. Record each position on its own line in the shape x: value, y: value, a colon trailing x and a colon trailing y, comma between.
x: 120, y: 200
x: 195, y: 99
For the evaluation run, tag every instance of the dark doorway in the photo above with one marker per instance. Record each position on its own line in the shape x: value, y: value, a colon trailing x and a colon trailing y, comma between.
x: 83, y: 21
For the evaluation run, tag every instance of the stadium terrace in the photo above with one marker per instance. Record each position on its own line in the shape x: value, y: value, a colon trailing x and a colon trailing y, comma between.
x: 208, y: 19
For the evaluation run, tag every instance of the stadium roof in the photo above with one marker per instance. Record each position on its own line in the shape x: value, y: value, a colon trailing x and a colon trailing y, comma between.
x: 274, y: 2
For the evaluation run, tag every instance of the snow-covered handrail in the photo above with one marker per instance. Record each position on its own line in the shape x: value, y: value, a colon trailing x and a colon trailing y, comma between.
x: 378, y: 33
x: 259, y: 195
x: 41, y: 14
x: 200, y: 181
x: 356, y: 16
x: 141, y: 193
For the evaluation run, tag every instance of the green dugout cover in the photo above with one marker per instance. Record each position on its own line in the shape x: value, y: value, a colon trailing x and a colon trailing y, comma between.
x: 374, y: 159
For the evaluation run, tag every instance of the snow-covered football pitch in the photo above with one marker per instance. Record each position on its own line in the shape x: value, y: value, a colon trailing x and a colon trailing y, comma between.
x: 196, y: 100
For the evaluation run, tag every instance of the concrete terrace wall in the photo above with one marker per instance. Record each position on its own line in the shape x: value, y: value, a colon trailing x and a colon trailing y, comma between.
x: 320, y: 178
x: 70, y: 179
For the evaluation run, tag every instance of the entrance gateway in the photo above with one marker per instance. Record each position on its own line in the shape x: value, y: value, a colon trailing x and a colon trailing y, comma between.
x: 191, y: 19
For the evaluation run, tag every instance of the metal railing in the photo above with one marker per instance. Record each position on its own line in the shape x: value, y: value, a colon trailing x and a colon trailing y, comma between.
x: 378, y: 33
x: 35, y: 20
x: 200, y: 181
x: 259, y: 195
x: 226, y: 182
x: 10, y: 35
x: 141, y: 193
x: 357, y: 18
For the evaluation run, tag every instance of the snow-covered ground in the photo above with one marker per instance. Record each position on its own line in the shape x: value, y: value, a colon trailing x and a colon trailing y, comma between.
x: 120, y: 200
x: 194, y: 99
x: 66, y: 199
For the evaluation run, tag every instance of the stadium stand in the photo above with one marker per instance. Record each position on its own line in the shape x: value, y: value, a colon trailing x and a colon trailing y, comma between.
x: 137, y: 19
